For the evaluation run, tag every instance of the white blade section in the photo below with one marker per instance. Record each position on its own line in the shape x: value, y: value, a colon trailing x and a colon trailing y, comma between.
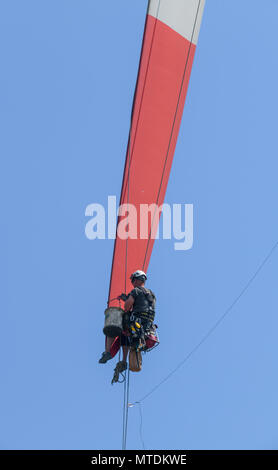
x: 183, y: 16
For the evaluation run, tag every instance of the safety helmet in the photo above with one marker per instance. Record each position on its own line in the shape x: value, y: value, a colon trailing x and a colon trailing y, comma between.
x: 140, y: 275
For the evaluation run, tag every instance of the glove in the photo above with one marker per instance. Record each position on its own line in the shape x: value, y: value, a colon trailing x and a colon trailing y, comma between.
x: 122, y: 297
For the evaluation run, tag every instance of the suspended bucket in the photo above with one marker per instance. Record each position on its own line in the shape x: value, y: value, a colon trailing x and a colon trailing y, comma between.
x: 113, y: 325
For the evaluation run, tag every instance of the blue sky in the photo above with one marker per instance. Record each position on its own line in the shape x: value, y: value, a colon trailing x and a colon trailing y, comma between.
x: 68, y: 71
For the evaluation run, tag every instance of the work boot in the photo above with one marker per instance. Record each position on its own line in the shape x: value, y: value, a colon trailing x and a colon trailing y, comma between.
x: 121, y: 366
x: 106, y: 356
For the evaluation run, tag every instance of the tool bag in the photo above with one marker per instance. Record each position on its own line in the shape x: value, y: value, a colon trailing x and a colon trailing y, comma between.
x: 135, y: 360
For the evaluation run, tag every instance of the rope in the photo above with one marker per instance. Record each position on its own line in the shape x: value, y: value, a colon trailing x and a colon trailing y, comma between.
x: 205, y: 337
x: 216, y: 324
x: 213, y: 328
x: 130, y: 152
x: 128, y: 161
x: 124, y: 413
x: 125, y: 409
x: 144, y: 86
x: 141, y: 424
x: 172, y: 131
